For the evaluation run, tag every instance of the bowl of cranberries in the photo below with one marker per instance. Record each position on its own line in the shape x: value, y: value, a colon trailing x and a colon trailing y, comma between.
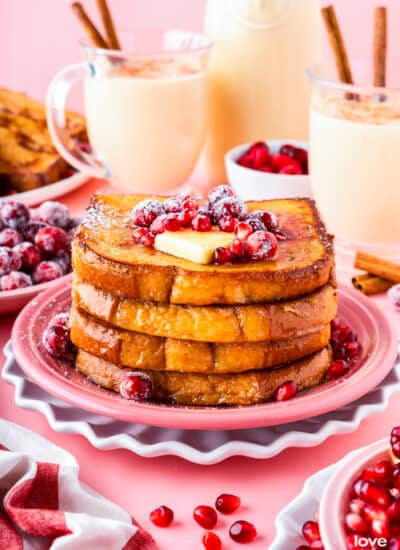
x: 35, y: 249
x: 269, y: 170
x: 360, y: 506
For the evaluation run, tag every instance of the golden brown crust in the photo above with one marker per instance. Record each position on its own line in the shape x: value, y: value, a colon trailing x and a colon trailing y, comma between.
x: 229, y: 324
x: 212, y: 389
x: 104, y: 254
x: 136, y: 350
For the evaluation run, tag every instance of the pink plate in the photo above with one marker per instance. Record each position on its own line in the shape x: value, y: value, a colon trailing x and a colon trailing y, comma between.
x: 377, y: 337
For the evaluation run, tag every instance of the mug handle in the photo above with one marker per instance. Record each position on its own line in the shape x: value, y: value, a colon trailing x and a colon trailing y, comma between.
x: 56, y: 99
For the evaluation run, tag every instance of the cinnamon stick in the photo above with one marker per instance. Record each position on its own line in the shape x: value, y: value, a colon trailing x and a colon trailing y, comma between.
x: 337, y: 44
x: 108, y: 24
x: 93, y: 34
x: 377, y: 266
x: 370, y: 284
x: 380, y: 46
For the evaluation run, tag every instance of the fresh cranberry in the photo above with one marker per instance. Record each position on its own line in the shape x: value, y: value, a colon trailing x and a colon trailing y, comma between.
x: 14, y: 280
x: 376, y: 494
x: 293, y: 169
x: 280, y: 161
x: 10, y: 237
x: 258, y: 145
x: 227, y: 224
x: 162, y: 516
x: 262, y: 245
x: 46, y: 271
x: 136, y: 386
x: 230, y: 206
x: 220, y: 192
x: 238, y: 249
x: 242, y: 531
x: 352, y: 349
x: 222, y: 255
x: 31, y: 229
x: 63, y: 259
x: 337, y: 369
x: 227, y: 504
x: 143, y: 236
x: 243, y: 230
x: 288, y: 150
x: 54, y: 213
x: 246, y: 160
x: 394, y: 296
x: 56, y: 341
x: 354, y: 523
x: 171, y: 205
x: 285, y: 391
x: 15, y: 215
x: 165, y: 222
x: 382, y: 472
x: 310, y: 531
x: 61, y: 320
x: 201, y: 222
x: 260, y: 155
x: 205, y: 516
x: 30, y: 255
x: 269, y: 219
x: 211, y: 541
x: 7, y: 258
x: 51, y: 239
x: 145, y: 212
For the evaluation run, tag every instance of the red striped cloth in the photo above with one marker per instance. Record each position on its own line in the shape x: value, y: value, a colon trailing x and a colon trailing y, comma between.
x: 44, y: 506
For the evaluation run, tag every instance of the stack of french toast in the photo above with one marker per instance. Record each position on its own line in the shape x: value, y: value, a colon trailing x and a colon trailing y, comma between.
x: 203, y: 333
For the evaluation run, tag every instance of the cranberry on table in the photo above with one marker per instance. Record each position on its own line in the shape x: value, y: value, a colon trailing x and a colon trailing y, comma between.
x: 211, y: 541
x: 136, y: 386
x: 15, y: 280
x: 205, y: 516
x: 220, y: 192
x: 262, y: 245
x: 162, y: 516
x: 14, y: 215
x: 30, y: 255
x: 286, y: 391
x: 145, y: 212
x: 227, y: 503
x: 46, y: 271
x: 230, y: 206
x: 54, y: 213
x: 51, y: 239
x: 242, y: 531
x: 57, y: 342
x: 10, y: 237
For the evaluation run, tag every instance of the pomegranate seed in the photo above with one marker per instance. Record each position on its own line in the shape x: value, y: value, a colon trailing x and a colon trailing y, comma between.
x: 227, y: 224
x: 382, y: 472
x: 291, y: 169
x: 357, y: 487
x: 262, y: 245
x: 10, y: 237
x: 357, y: 506
x: 372, y: 513
x: 286, y: 391
x: 380, y: 528
x: 394, y: 543
x: 56, y: 341
x: 375, y: 493
x: 230, y: 206
x: 394, y: 296
x: 302, y: 547
x: 220, y: 192
x: 352, y: 542
x: 136, y: 386
x: 145, y: 212
x: 337, y: 369
x: 46, y: 271
x: 189, y: 203
x: 15, y: 280
x: 54, y: 213
x: 243, y: 230
x: 162, y: 516
x: 242, y: 531
x: 260, y: 156
x: 61, y: 320
x: 30, y: 255
x: 172, y: 205
x: 211, y: 541
x: 354, y: 523
x: 186, y: 216
x: 14, y: 215
x: 238, y: 249
x: 310, y: 531
x: 201, y: 222
x: 138, y: 233
x: 352, y: 349
x: 317, y: 545
x: 269, y: 219
x: 393, y: 511
x: 222, y: 255
x: 51, y: 239
x: 395, y: 432
x: 227, y: 504
x: 165, y: 222
x: 205, y: 516
x: 143, y: 236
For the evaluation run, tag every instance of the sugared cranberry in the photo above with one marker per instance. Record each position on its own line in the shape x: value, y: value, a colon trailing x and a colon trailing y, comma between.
x: 30, y: 255
x: 14, y: 215
x: 222, y: 255
x: 46, y: 271
x: 354, y: 523
x: 187, y: 216
x: 145, y: 212
x: 227, y: 504
x: 205, y: 516
x: 7, y: 260
x: 220, y: 192
x: 10, y: 237
x: 255, y: 224
x: 63, y: 259
x: 310, y: 531
x: 61, y: 320
x: 189, y: 203
x: 51, y: 239
x: 269, y: 219
x: 31, y: 229
x: 293, y: 169
x: 231, y: 207
x: 54, y: 213
x: 376, y: 494
x: 201, y: 222
x: 227, y: 224
x: 171, y: 205
x: 242, y: 531
x: 337, y: 369
x: 143, y: 236
x: 56, y: 341
x: 285, y: 391
x: 394, y: 296
x: 262, y: 245
x: 165, y: 222
x: 14, y: 280
x: 162, y: 516
x: 136, y: 386
x: 243, y: 230
x: 211, y: 541
x: 238, y: 249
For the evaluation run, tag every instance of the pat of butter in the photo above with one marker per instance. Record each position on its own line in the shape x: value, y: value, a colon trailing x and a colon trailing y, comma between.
x: 195, y: 246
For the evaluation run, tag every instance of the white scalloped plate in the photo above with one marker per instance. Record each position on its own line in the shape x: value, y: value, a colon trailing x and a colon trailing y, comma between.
x: 201, y: 447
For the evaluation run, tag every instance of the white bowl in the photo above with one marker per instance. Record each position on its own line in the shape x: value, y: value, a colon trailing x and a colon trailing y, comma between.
x: 251, y: 184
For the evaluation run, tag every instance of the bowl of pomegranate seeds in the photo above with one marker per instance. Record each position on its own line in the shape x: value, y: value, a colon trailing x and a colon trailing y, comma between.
x: 360, y: 506
x: 269, y: 170
x: 35, y: 249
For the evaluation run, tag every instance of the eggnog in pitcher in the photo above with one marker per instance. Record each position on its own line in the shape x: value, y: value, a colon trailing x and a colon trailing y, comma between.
x: 258, y: 89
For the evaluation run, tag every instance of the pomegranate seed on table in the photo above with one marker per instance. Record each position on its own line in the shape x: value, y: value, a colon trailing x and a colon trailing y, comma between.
x: 242, y: 531
x: 201, y: 222
x: 205, y: 516
x: 136, y: 386
x: 262, y: 245
x: 15, y: 280
x: 54, y: 213
x: 145, y: 212
x: 286, y: 391
x: 227, y: 504
x: 211, y: 541
x: 394, y: 296
x: 165, y: 222
x: 310, y: 531
x: 143, y: 236
x: 352, y: 349
x: 354, y: 523
x: 14, y: 215
x: 51, y: 239
x: 227, y: 224
x: 238, y: 249
x: 30, y: 255
x: 220, y: 192
x: 56, y: 341
x: 222, y: 255
x: 186, y: 216
x: 243, y: 230
x: 46, y: 271
x: 229, y: 206
x: 162, y: 516
x: 10, y: 237
x: 337, y: 369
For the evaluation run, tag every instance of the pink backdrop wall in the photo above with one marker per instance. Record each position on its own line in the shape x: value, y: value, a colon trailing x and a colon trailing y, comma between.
x: 38, y: 37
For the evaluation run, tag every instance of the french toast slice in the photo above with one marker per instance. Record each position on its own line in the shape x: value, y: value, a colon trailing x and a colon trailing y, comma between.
x: 229, y: 324
x: 105, y: 254
x: 179, y: 388
x: 132, y: 349
x: 28, y: 158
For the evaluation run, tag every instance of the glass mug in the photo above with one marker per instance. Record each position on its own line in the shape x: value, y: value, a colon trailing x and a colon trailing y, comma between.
x: 145, y: 108
x: 354, y: 143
